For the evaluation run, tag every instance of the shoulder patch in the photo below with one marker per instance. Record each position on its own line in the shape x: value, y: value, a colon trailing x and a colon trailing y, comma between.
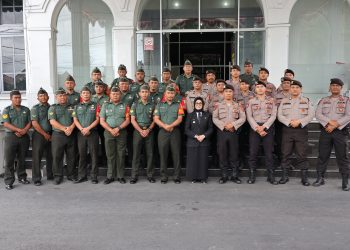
x: 5, y: 116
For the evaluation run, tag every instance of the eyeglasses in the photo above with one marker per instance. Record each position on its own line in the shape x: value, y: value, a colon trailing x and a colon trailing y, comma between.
x: 198, y: 103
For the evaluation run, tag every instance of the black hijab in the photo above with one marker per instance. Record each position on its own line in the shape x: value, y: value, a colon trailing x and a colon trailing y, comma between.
x: 194, y: 104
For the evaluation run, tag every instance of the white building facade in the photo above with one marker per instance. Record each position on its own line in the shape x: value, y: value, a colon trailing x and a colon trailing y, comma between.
x: 44, y: 40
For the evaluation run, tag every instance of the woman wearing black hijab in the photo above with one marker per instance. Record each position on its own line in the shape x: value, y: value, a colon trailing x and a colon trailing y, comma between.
x: 198, y: 128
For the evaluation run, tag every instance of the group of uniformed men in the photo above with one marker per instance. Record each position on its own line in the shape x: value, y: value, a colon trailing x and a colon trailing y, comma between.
x: 247, y: 110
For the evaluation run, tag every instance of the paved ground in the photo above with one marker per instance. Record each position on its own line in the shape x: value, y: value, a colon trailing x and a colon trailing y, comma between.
x: 186, y: 216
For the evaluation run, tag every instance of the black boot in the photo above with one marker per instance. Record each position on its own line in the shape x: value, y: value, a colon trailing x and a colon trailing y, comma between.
x: 252, y: 178
x: 304, y: 179
x: 284, y: 178
x: 320, y: 180
x: 271, y: 177
x: 234, y: 178
x: 345, y: 182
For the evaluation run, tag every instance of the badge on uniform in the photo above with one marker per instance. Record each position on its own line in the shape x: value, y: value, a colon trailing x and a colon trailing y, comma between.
x: 5, y: 116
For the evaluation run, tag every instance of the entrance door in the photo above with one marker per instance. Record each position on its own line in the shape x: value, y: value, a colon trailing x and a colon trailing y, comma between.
x: 210, y: 50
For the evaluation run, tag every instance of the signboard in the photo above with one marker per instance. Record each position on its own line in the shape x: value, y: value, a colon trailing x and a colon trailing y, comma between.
x: 148, y: 43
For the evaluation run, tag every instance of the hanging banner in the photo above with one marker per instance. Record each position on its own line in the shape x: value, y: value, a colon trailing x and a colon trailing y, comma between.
x: 148, y: 43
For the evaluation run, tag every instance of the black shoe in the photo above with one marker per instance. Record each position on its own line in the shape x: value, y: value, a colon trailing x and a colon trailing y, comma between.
x: 151, y: 179
x: 345, y: 182
x: 58, y: 181
x: 133, y: 181
x: 71, y: 178
x: 204, y: 181
x: 94, y: 181
x: 177, y: 181
x: 251, y: 179
x: 319, y: 182
x: 23, y: 181
x: 236, y: 180
x: 108, y: 180
x: 284, y: 179
x: 9, y: 187
x: 223, y: 180
x: 164, y: 181
x: 37, y: 183
x: 121, y: 180
x: 83, y: 179
x: 194, y: 181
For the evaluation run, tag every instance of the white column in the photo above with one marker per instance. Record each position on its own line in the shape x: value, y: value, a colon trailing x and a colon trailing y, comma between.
x: 276, y: 50
x: 124, y: 48
x: 39, y: 63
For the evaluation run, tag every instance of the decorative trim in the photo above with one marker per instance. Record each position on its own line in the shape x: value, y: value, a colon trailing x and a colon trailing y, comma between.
x: 123, y: 5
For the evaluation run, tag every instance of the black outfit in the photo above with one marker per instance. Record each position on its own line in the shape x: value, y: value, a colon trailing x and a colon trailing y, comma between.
x: 198, y: 123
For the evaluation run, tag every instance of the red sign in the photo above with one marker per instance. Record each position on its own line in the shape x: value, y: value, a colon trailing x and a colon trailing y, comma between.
x: 148, y: 43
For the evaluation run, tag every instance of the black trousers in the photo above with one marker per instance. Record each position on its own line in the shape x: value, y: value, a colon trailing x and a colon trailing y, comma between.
x: 254, y: 144
x: 15, y: 147
x: 102, y: 158
x: 338, y: 139
x: 278, y: 141
x: 85, y: 143
x: 60, y: 145
x: 40, y: 146
x: 297, y: 138
x: 227, y: 151
x: 244, y: 132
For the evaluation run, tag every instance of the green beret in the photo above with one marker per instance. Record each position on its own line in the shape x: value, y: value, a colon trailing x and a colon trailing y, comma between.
x: 295, y: 82
x: 247, y: 62
x: 60, y: 91
x: 42, y: 91
x: 96, y: 70
x: 170, y: 88
x: 121, y: 67
x: 85, y: 88
x: 70, y: 78
x: 337, y: 81
x: 115, y: 89
x: 187, y: 62
x: 144, y: 87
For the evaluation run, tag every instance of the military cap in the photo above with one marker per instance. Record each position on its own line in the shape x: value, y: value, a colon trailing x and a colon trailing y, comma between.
x: 115, y: 89
x: 295, y: 82
x: 337, y: 81
x: 260, y: 83
x: 153, y: 78
x: 15, y: 92
x: 70, y: 78
x: 220, y: 80
x: 264, y: 69
x: 99, y: 83
x: 121, y: 67
x: 210, y: 71
x: 123, y: 79
x: 144, y: 87
x: 187, y: 62
x: 85, y: 88
x: 236, y: 67
x: 228, y: 86
x: 285, y: 79
x: 96, y: 70
x: 197, y: 78
x: 289, y: 71
x: 60, y: 91
x: 166, y: 69
x: 170, y: 88
x: 247, y: 62
x: 42, y: 91
x: 140, y: 70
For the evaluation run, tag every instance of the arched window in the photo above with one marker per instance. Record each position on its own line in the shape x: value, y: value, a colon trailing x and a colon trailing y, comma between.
x: 84, y: 41
x: 320, y: 43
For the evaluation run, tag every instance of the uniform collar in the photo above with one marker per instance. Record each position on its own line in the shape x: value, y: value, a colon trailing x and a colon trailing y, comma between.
x: 140, y: 101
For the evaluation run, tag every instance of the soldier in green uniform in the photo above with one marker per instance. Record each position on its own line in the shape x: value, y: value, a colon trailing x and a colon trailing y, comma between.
x: 168, y: 116
x: 154, y: 95
x: 184, y: 81
x: 139, y: 80
x: 115, y: 117
x: 101, y: 98
x: 96, y: 75
x: 73, y: 96
x: 126, y: 96
x: 248, y: 75
x: 86, y: 118
x: 41, y: 138
x: 142, y: 119
x: 166, y: 80
x: 63, y: 141
x: 16, y: 120
x: 122, y: 73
